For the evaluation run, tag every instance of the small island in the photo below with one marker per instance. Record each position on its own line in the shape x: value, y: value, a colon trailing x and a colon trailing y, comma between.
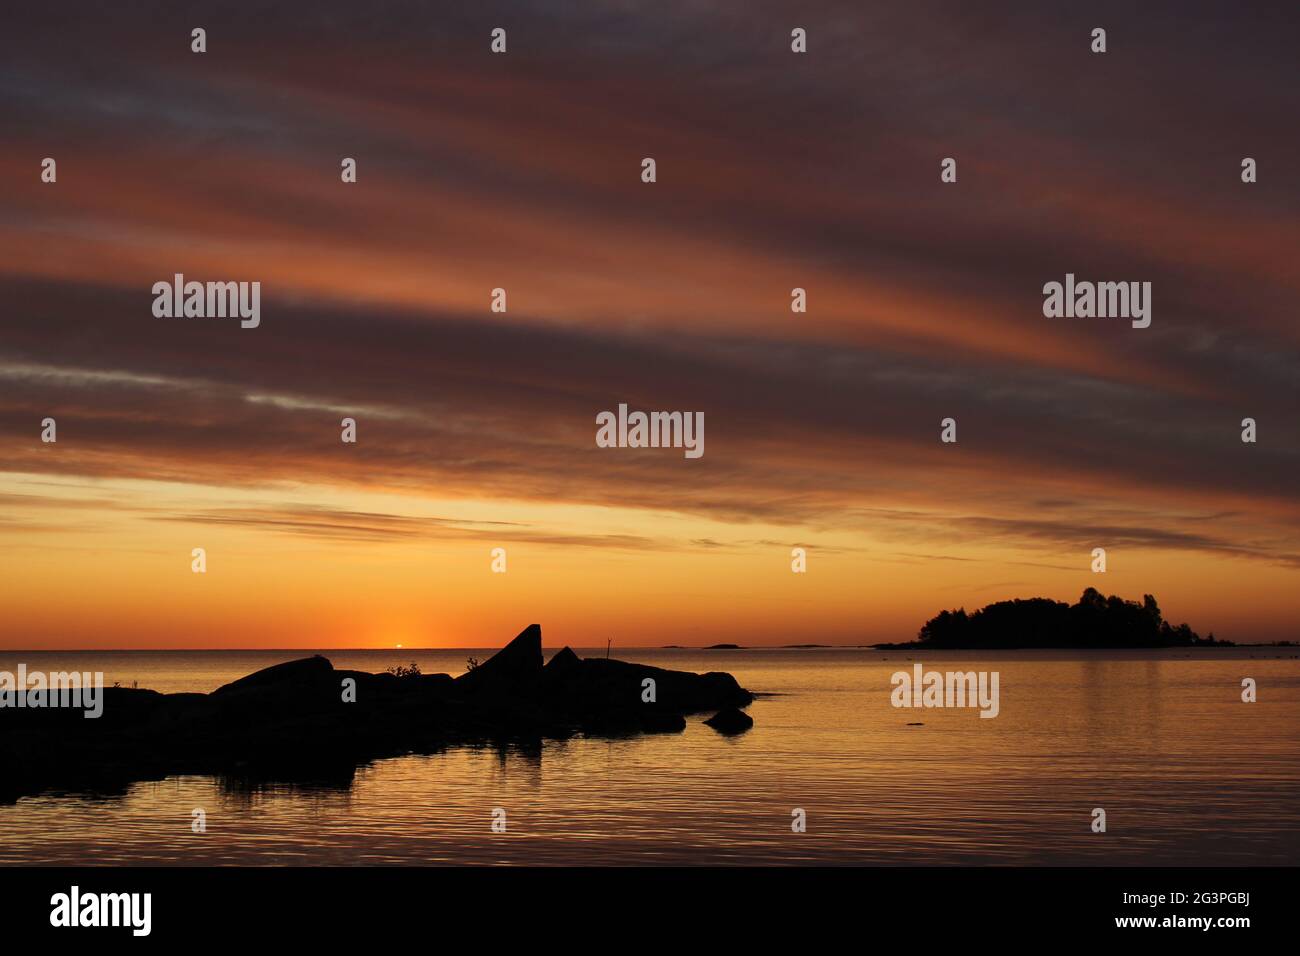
x: 1096, y: 621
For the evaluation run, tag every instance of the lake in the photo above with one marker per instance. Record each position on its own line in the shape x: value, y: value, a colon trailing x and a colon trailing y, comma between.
x: 1186, y: 772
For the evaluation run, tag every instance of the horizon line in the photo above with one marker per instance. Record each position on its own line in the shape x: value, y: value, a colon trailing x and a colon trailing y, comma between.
x: 634, y: 647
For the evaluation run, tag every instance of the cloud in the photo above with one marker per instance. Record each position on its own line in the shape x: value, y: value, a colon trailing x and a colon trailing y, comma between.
x: 358, y: 527
x: 478, y: 172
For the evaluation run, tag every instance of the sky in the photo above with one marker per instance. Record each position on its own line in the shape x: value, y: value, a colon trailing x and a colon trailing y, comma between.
x: 522, y: 171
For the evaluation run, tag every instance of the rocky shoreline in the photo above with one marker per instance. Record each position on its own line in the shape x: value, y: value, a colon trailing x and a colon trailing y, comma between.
x: 306, y: 721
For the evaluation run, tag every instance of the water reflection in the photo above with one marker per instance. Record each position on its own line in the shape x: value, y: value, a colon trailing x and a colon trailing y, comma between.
x: 1186, y: 771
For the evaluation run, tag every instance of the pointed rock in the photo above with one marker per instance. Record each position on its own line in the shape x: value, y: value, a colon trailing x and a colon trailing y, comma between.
x: 517, y: 664
x: 564, y: 660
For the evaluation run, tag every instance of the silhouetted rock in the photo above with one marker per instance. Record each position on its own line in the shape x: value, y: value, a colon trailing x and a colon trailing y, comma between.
x: 516, y: 667
x: 291, y: 722
x: 598, y: 683
x: 564, y: 661
x: 280, y: 675
x: 730, y: 721
x: 654, y: 722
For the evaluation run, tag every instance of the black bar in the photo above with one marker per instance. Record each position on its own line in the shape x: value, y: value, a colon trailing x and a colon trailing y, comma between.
x: 617, y: 907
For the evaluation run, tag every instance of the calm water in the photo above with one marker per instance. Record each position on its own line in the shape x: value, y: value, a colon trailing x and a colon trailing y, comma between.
x: 1187, y: 773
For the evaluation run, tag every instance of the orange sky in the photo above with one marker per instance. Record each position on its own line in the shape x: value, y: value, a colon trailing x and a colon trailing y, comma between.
x: 476, y: 429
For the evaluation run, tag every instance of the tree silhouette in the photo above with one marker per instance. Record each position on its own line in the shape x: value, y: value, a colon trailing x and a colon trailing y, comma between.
x: 1095, y: 621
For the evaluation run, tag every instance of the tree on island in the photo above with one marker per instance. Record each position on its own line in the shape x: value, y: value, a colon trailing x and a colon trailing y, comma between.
x: 1095, y: 621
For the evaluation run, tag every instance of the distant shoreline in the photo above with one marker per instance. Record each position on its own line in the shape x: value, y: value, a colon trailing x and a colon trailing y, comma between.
x: 906, y: 645
x: 1228, y: 645
x: 919, y: 646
